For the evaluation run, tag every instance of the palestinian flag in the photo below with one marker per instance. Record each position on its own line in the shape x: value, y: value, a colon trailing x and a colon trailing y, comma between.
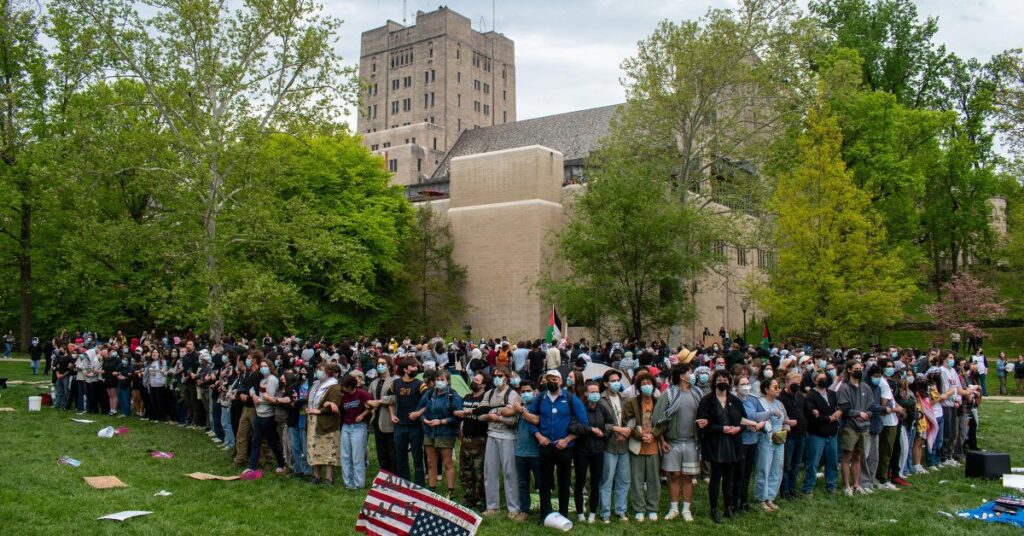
x: 554, y: 327
x: 766, y: 337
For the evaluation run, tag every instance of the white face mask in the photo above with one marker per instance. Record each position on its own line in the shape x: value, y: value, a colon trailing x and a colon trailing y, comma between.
x: 744, y: 390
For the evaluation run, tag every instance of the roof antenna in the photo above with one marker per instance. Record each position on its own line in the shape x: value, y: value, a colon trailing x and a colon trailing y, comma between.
x: 403, y: 11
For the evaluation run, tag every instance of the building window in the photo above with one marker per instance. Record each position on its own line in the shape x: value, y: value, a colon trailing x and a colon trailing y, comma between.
x: 719, y: 248
x: 406, y: 105
x: 426, y: 100
x: 387, y: 144
x: 504, y: 117
x: 458, y: 100
x: 407, y: 81
x: 393, y: 165
x: 741, y: 255
x: 433, y: 75
x: 435, y: 144
x: 459, y: 125
x: 426, y: 76
x: 487, y: 89
x: 431, y: 100
x: 373, y: 67
x: 487, y: 109
x: 504, y: 95
x: 476, y: 85
x: 419, y: 164
x: 762, y: 260
x: 394, y: 85
x: 394, y: 107
x: 458, y: 77
x: 375, y: 146
x: 476, y: 106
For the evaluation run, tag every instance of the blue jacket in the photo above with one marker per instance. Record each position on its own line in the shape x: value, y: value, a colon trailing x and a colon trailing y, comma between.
x: 755, y: 412
x: 440, y: 406
x: 555, y: 416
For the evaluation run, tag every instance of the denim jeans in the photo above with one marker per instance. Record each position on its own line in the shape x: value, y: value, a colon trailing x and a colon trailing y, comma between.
x: 934, y: 455
x: 909, y: 434
x: 984, y: 385
x: 793, y: 461
x: 409, y: 440
x: 35, y: 368
x: 353, y: 454
x: 80, y: 395
x: 7, y: 350
x: 63, y: 386
x: 124, y: 401
x: 225, y: 422
x: 768, y: 472
x: 297, y: 441
x: 526, y: 466
x: 615, y: 475
x: 818, y: 449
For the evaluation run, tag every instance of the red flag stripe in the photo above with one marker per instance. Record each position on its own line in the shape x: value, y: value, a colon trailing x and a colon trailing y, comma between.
x: 378, y: 527
x: 451, y: 509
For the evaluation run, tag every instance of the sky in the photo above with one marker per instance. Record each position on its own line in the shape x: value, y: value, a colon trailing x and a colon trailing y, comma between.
x: 569, y: 52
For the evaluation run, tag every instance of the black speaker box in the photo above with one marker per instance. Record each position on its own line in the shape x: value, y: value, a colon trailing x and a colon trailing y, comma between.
x: 985, y: 464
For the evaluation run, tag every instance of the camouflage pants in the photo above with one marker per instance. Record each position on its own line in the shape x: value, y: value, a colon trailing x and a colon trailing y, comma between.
x: 471, y: 466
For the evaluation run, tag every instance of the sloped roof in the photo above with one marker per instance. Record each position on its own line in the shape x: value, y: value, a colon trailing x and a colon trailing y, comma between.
x: 574, y: 134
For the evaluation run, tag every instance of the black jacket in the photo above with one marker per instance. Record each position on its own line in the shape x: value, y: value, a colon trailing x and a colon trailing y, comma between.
x: 820, y: 425
x: 716, y: 445
x: 589, y: 444
x: 794, y: 404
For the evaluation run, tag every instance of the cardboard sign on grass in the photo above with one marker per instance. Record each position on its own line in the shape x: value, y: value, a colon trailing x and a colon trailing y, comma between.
x: 105, y: 482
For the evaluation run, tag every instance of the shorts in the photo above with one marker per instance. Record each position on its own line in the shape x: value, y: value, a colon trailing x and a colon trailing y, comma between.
x: 850, y: 440
x: 682, y: 457
x: 439, y: 442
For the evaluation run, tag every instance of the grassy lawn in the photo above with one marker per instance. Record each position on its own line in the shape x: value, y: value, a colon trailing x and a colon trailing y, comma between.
x: 37, y: 496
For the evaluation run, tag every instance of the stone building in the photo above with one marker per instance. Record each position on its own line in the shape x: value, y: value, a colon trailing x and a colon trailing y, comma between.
x: 425, y: 84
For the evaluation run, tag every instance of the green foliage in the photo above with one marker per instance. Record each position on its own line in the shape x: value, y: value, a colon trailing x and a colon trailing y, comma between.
x: 833, y: 279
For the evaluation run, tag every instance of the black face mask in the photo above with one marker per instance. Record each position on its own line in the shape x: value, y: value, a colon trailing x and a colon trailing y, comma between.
x: 722, y: 386
x: 822, y: 383
x: 553, y: 387
x: 858, y: 374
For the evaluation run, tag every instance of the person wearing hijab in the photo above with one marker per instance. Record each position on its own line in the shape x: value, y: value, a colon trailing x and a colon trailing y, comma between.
x: 323, y: 434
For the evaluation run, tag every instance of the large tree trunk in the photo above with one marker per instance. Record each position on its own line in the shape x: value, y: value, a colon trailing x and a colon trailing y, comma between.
x: 210, y: 252
x: 25, y: 266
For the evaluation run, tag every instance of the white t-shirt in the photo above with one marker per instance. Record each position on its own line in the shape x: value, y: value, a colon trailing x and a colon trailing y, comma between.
x: 886, y: 393
x: 980, y: 361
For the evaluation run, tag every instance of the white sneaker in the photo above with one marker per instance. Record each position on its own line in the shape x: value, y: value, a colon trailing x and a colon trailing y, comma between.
x: 848, y: 492
x: 639, y: 518
x: 582, y: 518
x: 863, y: 491
x: 652, y: 516
x: 687, y: 516
x: 918, y: 469
x: 672, y: 514
x: 890, y: 486
x: 606, y: 520
x: 590, y: 518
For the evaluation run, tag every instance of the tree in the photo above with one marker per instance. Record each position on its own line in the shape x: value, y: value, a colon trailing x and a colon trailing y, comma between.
x: 625, y: 248
x: 433, y: 276
x: 223, y: 77
x: 898, y: 54
x: 705, y: 98
x: 834, y: 277
x: 1009, y: 97
x: 965, y: 303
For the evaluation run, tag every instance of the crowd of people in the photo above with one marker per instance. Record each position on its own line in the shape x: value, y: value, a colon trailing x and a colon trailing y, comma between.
x: 604, y: 425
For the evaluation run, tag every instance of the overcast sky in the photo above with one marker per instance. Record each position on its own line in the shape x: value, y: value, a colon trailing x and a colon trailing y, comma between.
x: 568, y: 52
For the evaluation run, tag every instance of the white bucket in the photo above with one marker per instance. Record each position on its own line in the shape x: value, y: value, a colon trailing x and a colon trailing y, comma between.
x: 35, y: 403
x: 557, y: 521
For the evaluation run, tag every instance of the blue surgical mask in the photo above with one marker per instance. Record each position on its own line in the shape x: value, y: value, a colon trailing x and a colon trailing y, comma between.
x: 320, y: 374
x: 570, y: 381
x: 499, y: 381
x: 264, y: 370
x: 382, y: 368
x: 248, y: 363
x: 616, y: 386
x: 889, y: 371
x: 702, y: 377
x: 441, y: 385
x: 277, y: 363
x: 594, y: 397
x: 647, y: 389
x: 822, y: 363
x: 527, y: 397
x: 692, y: 378
x: 950, y: 363
x: 832, y: 373
x: 223, y: 359
x: 719, y: 367
x: 514, y: 382
x: 875, y: 380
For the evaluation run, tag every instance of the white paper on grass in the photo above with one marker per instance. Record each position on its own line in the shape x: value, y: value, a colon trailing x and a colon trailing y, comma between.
x: 162, y: 493
x: 121, y: 516
x: 1013, y: 481
x: 83, y: 421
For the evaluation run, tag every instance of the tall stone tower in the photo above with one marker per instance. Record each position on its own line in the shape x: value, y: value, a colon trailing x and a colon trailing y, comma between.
x: 427, y: 83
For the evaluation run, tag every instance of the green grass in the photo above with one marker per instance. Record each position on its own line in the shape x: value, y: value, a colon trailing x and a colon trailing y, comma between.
x: 37, y: 496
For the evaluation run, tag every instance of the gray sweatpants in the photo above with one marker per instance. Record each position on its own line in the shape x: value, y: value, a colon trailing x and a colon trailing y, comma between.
x: 644, y: 483
x: 500, y: 462
x: 869, y: 463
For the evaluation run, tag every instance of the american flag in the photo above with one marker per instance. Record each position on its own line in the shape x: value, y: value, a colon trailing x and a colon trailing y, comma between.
x: 396, y: 507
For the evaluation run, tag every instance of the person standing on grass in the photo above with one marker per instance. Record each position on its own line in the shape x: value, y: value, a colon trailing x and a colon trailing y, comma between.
x: 408, y: 434
x: 64, y: 372
x: 437, y: 414
x: 615, y: 469
x: 264, y: 425
x: 981, y: 361
x: 323, y: 423
x: 555, y: 411
x: 474, y: 441
x: 754, y: 412
x: 226, y: 393
x: 771, y: 445
x: 645, y: 486
x: 888, y: 446
x: 500, y: 453
x: 720, y: 417
x: 354, y: 413
x: 35, y: 353
x: 1018, y: 375
x: 951, y: 383
x: 527, y: 451
x: 383, y: 403
x: 821, y: 410
x: 247, y: 381
x: 111, y: 366
x: 589, y: 452
x: 792, y: 398
x: 854, y: 399
x: 8, y: 344
x: 675, y: 415
x: 1003, y: 367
